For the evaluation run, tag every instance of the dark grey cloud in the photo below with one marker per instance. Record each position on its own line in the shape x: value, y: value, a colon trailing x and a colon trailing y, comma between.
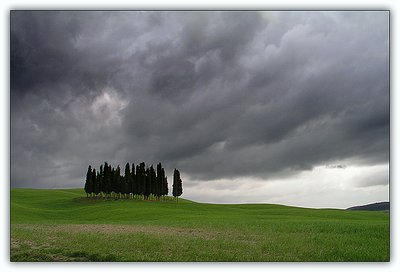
x: 336, y: 166
x: 216, y: 94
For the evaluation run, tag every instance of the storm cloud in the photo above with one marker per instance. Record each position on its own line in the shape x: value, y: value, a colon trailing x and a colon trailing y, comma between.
x: 219, y: 95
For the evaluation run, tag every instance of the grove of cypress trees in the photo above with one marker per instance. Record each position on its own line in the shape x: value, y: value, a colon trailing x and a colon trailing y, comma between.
x: 138, y: 182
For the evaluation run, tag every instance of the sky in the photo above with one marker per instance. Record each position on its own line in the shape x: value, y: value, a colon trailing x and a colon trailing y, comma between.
x: 252, y: 107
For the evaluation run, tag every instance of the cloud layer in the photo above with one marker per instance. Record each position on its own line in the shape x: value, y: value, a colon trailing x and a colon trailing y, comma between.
x: 219, y: 95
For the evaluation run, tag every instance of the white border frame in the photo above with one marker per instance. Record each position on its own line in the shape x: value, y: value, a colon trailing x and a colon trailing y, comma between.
x: 7, y: 5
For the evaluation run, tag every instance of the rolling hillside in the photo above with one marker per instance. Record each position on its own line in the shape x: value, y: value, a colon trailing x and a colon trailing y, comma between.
x: 62, y: 225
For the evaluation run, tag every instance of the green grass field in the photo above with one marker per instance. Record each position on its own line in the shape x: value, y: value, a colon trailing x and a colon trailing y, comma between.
x: 61, y: 225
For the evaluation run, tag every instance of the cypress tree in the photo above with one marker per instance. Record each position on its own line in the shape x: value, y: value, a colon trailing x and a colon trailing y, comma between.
x: 147, y: 183
x: 100, y: 177
x: 137, y: 180
x: 98, y: 182
x: 160, y: 180
x: 127, y: 170
x: 155, y: 184
x: 95, y: 183
x: 128, y: 180
x: 153, y: 189
x: 177, y: 185
x: 142, y: 178
x: 89, y: 182
x: 165, y: 183
x: 126, y: 188
x: 118, y: 182
x: 113, y: 182
x: 133, y: 189
x: 109, y: 187
x: 107, y: 179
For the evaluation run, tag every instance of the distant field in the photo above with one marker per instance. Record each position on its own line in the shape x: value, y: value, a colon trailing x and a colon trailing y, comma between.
x: 60, y: 225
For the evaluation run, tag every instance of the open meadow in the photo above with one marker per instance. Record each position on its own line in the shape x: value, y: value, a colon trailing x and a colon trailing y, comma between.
x: 62, y: 225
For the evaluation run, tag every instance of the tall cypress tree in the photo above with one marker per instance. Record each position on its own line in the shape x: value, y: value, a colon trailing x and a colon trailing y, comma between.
x: 89, y: 182
x: 147, y: 183
x: 100, y: 177
x: 137, y: 180
x: 128, y: 179
x: 118, y: 182
x: 177, y: 185
x: 107, y: 179
x: 133, y: 189
x: 113, y: 182
x: 95, y: 182
x: 142, y: 178
x: 155, y: 184
x: 160, y: 180
x: 153, y: 189
x: 165, y: 183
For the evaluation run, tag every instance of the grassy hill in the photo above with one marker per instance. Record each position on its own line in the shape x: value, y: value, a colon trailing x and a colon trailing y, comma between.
x: 61, y: 225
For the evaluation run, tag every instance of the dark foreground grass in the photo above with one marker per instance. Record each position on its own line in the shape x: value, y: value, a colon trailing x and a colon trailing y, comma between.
x: 61, y: 225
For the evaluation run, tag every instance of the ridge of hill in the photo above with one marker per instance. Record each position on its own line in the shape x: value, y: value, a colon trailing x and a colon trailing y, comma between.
x: 378, y: 206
